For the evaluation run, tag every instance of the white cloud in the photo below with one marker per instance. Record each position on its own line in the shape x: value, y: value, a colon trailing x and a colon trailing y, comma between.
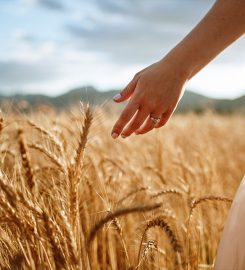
x: 104, y: 43
x: 220, y: 80
x: 24, y: 48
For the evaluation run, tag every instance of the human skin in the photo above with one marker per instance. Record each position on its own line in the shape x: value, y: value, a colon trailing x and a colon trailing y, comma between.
x: 156, y: 90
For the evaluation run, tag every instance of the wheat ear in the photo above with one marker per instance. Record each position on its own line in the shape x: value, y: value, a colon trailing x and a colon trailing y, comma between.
x: 16, y: 197
x: 75, y: 167
x: 50, y: 155
x: 1, y: 123
x: 160, y: 222
x: 196, y: 202
x: 167, y: 191
x: 51, y: 136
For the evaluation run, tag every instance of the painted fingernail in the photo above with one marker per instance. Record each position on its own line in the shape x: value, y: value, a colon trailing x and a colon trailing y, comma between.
x: 114, y: 135
x: 117, y: 97
x: 123, y: 136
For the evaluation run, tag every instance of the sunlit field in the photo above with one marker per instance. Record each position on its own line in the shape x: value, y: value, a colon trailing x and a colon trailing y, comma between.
x: 71, y: 197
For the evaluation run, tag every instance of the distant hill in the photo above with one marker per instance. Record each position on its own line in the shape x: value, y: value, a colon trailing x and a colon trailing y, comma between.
x: 195, y: 102
x: 189, y: 102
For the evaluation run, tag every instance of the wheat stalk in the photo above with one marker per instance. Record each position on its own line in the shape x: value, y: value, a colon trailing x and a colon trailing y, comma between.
x: 131, y: 193
x: 118, y: 213
x: 59, y: 259
x: 26, y: 161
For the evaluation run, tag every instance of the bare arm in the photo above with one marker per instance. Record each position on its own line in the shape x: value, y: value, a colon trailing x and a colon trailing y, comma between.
x: 156, y: 90
x: 223, y: 24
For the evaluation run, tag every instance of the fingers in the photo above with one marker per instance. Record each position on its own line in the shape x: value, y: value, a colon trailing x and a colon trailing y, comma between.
x: 146, y: 127
x: 136, y: 122
x: 149, y: 124
x: 127, y: 91
x: 124, y: 118
x: 141, y: 122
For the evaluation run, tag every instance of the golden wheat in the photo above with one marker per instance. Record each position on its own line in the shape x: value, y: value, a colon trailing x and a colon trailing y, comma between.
x: 73, y: 198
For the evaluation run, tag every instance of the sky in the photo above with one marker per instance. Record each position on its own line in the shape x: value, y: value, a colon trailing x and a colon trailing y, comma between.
x: 51, y: 46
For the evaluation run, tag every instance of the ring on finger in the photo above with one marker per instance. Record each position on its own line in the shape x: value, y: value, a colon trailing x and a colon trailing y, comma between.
x: 155, y: 119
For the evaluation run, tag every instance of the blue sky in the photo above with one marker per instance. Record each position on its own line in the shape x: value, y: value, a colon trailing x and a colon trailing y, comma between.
x: 50, y: 46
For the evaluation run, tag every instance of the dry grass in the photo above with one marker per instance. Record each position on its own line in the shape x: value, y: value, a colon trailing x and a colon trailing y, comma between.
x: 73, y: 198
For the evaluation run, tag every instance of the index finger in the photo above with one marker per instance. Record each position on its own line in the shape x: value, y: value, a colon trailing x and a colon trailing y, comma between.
x: 126, y: 115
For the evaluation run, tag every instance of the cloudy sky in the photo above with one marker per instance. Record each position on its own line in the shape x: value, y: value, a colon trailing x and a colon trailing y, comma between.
x: 50, y: 46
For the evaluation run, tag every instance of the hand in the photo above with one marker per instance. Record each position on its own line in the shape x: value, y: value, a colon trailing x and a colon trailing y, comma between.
x: 154, y: 91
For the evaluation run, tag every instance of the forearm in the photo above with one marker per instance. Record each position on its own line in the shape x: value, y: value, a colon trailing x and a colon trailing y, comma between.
x: 222, y: 25
x: 155, y: 91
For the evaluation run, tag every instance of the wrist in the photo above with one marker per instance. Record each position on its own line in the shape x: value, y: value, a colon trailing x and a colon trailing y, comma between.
x: 189, y: 57
x: 179, y: 64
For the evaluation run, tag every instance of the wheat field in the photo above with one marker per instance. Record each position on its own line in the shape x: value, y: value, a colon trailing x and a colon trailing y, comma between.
x: 71, y: 197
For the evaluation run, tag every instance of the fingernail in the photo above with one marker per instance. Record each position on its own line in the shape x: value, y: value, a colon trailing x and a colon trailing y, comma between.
x: 123, y: 136
x: 114, y: 135
x: 117, y: 97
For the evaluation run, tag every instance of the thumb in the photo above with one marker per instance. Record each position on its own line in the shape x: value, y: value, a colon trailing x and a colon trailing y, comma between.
x: 126, y: 92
